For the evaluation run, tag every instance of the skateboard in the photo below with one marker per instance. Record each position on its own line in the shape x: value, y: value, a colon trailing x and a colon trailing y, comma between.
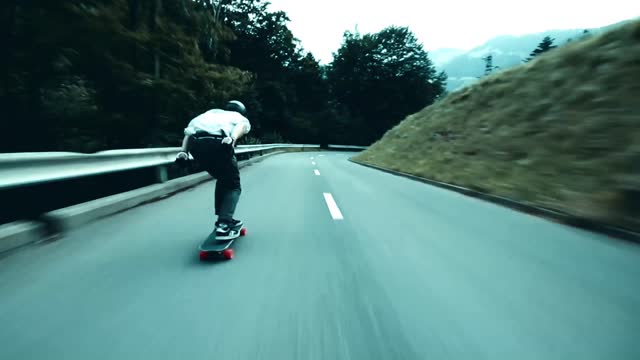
x: 214, y: 247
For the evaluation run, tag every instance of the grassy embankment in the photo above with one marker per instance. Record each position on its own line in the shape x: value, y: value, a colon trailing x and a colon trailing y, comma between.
x: 562, y: 131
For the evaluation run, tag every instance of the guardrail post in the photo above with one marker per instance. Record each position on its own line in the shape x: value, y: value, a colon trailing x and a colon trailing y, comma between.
x: 161, y: 174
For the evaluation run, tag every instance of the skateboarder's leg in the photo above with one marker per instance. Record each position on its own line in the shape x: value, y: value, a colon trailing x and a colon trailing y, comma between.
x: 228, y: 186
x: 218, y: 198
x: 226, y: 199
x: 228, y: 189
x: 214, y: 158
x: 228, y: 202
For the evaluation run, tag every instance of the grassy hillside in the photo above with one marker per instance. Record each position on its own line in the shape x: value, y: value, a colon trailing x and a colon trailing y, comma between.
x: 562, y: 131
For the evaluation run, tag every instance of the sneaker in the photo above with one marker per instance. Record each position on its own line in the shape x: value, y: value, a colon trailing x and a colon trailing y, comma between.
x: 225, y: 232
x: 234, y: 223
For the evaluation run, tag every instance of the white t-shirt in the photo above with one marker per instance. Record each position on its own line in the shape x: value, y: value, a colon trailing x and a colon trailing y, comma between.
x: 217, y: 122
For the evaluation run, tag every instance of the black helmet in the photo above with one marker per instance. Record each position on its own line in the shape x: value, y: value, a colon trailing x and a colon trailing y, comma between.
x: 237, y: 106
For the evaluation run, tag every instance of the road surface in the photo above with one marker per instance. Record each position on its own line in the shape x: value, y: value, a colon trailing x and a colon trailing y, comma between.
x: 340, y: 262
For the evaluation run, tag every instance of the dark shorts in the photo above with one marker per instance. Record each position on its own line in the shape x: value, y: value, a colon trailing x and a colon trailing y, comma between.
x: 218, y: 159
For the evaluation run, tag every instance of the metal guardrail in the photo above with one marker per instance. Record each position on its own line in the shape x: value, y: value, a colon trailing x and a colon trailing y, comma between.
x: 21, y: 169
x: 354, y: 147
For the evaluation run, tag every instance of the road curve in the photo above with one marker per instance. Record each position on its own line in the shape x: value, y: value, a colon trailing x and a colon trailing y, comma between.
x: 340, y: 262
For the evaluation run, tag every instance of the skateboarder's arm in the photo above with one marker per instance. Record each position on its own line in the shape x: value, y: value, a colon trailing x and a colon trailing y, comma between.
x: 185, y: 143
x: 238, y: 131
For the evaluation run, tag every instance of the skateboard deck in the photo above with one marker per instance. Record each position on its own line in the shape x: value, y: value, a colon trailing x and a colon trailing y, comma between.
x: 214, y: 247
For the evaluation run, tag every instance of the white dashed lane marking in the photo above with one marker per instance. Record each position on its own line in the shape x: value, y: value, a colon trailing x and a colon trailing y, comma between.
x: 333, y: 207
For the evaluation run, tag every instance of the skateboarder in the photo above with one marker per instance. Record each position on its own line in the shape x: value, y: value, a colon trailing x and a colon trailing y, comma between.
x: 211, y: 138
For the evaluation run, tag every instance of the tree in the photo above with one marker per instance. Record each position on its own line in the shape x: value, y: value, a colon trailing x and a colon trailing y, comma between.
x: 290, y: 96
x: 83, y: 71
x: 488, y: 65
x: 264, y: 44
x: 545, y: 45
x: 8, y: 15
x: 381, y: 78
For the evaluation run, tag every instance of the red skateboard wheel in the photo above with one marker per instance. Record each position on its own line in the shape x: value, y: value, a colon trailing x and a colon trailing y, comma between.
x: 228, y: 254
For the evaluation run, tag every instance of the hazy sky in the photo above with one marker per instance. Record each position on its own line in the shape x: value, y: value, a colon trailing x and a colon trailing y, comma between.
x: 460, y: 24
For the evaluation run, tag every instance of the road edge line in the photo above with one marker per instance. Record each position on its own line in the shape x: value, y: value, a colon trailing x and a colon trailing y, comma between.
x: 544, y: 213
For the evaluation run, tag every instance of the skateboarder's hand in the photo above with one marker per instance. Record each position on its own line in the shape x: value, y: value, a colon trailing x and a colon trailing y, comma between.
x: 228, y: 140
x: 182, y: 156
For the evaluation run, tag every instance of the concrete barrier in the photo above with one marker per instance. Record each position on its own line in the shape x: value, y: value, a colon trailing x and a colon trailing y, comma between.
x: 19, y: 233
x: 63, y: 220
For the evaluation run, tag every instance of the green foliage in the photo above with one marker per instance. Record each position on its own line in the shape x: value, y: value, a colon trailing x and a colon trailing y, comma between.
x: 95, y: 75
x: 290, y: 96
x: 379, y: 79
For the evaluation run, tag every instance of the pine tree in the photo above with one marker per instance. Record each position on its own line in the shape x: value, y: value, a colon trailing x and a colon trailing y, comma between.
x: 545, y: 45
x: 488, y: 65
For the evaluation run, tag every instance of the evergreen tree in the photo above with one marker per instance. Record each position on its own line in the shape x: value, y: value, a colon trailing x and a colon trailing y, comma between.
x: 488, y: 65
x: 545, y: 45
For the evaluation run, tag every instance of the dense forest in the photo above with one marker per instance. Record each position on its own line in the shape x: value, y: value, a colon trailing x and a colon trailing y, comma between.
x: 109, y: 74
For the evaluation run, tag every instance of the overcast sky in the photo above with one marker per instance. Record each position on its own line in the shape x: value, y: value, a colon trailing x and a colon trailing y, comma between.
x: 461, y: 24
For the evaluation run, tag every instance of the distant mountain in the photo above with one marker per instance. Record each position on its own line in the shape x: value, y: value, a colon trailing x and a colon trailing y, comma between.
x: 507, y: 51
x: 442, y: 56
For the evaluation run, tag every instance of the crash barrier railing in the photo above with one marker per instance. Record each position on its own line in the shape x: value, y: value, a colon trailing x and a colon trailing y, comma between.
x: 44, y: 194
x: 22, y: 169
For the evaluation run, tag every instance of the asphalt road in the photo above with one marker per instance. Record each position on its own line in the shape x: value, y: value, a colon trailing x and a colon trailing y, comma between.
x: 396, y: 270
